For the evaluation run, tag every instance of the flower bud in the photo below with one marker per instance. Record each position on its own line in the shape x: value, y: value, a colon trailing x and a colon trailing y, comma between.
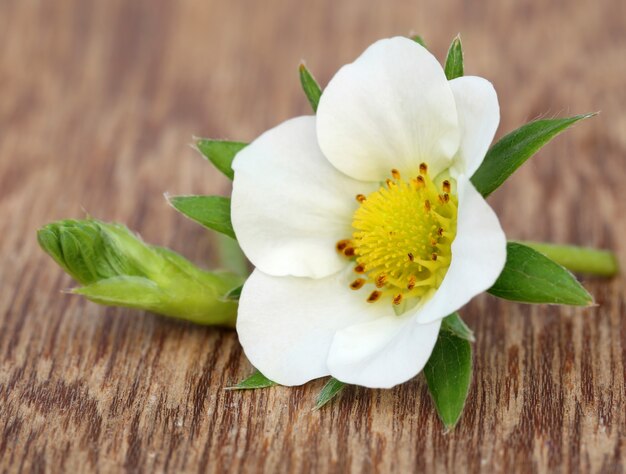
x: 115, y: 267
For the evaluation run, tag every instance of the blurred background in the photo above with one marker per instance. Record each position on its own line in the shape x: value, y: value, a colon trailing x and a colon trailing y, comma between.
x: 99, y: 100
x: 89, y: 87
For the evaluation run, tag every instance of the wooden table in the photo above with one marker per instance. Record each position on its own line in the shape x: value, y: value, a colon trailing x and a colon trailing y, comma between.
x: 98, y: 101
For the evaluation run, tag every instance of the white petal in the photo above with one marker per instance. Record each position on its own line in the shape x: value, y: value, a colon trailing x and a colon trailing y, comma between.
x: 286, y: 324
x: 391, y: 108
x: 382, y: 353
x: 479, y: 116
x: 478, y: 256
x: 290, y: 206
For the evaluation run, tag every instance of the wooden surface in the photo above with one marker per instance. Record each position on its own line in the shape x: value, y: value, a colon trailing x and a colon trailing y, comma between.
x: 98, y: 100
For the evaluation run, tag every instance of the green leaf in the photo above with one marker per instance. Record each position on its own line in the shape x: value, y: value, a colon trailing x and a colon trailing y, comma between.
x: 455, y: 325
x: 213, y: 212
x: 448, y: 373
x: 454, y: 61
x: 72, y: 252
x: 256, y: 380
x: 514, y: 149
x: 90, y: 250
x: 221, y: 153
x: 310, y: 86
x: 330, y: 390
x: 530, y: 277
x: 419, y: 40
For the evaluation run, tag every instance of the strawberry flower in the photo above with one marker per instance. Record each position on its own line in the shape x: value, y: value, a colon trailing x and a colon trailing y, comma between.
x: 362, y: 223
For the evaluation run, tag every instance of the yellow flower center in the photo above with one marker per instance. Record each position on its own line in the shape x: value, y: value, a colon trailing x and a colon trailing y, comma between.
x: 402, y: 237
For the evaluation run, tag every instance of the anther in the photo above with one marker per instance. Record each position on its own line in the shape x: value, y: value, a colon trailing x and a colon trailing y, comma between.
x: 342, y: 244
x: 423, y: 168
x: 440, y: 231
x: 374, y: 296
x: 411, y: 257
x: 420, y: 181
x: 360, y: 198
x: 434, y: 257
x: 357, y: 284
x: 389, y: 183
x: 446, y: 197
x: 446, y: 186
x: 427, y: 205
x: 359, y: 268
x: 381, y: 280
x: 397, y: 299
x: 395, y: 173
x: 349, y: 252
x: 412, y: 281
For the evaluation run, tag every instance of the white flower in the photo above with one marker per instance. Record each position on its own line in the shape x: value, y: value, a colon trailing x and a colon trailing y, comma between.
x: 362, y: 222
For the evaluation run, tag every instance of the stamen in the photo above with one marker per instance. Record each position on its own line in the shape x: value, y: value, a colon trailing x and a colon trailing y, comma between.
x: 357, y: 284
x: 374, y: 296
x: 402, y: 237
x: 342, y: 244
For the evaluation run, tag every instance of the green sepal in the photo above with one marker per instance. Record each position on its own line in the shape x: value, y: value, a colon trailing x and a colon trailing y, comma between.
x: 117, y: 268
x: 234, y: 294
x: 230, y: 255
x: 455, y: 325
x: 256, y: 380
x: 328, y: 392
x: 128, y: 291
x: 514, y: 149
x: 213, y: 212
x: 448, y: 374
x: 221, y: 153
x: 311, y: 88
x: 454, y: 60
x: 531, y: 277
x: 419, y: 40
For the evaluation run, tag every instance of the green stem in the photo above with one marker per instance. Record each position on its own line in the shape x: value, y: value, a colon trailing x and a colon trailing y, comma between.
x: 579, y: 259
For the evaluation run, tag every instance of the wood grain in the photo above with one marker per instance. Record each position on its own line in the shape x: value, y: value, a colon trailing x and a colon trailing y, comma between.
x: 98, y: 102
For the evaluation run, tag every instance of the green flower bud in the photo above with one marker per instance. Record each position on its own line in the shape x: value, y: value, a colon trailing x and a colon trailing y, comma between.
x: 117, y: 268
